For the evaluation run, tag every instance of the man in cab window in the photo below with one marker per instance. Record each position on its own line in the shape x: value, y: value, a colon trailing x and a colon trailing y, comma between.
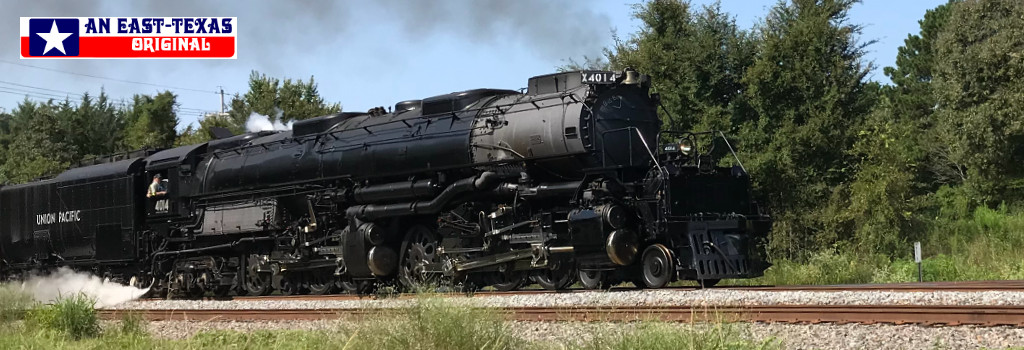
x: 157, y: 188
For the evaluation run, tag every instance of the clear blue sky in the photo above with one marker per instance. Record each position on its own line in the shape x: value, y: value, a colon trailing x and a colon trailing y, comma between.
x: 366, y: 54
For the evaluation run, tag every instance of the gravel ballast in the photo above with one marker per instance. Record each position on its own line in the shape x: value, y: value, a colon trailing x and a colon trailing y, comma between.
x: 790, y: 336
x: 719, y: 297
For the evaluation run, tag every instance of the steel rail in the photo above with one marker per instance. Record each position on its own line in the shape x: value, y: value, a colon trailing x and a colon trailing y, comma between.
x: 966, y: 286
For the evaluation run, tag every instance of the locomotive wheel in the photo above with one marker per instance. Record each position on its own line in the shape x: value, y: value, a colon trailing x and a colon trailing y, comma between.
x: 560, y: 276
x: 507, y: 281
x: 256, y: 283
x: 658, y: 266
x: 320, y: 283
x: 195, y: 293
x: 221, y: 291
x: 349, y: 286
x: 419, y: 249
x: 289, y: 286
x: 594, y: 280
x: 708, y: 283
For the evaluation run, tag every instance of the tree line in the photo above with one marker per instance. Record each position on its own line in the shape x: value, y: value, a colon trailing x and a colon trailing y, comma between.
x: 43, y: 138
x: 844, y: 162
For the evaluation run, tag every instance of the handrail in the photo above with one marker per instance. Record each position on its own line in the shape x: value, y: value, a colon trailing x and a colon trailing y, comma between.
x: 713, y: 133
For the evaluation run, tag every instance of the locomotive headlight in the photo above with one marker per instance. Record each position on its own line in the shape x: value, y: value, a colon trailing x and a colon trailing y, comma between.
x: 685, y: 147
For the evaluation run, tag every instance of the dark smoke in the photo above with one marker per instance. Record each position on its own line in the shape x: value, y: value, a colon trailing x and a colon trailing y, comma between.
x: 299, y: 38
x: 555, y: 29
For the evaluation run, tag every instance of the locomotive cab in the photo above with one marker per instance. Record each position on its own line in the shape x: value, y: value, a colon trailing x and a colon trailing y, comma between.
x: 175, y: 168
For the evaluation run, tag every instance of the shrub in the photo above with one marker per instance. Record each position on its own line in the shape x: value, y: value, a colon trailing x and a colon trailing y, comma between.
x: 72, y: 316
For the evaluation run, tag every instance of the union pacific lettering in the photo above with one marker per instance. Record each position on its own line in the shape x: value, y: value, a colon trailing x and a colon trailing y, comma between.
x: 58, y: 217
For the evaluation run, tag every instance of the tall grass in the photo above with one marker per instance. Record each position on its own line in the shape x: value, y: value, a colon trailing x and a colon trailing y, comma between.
x: 658, y: 336
x: 14, y: 303
x: 959, y: 245
x: 432, y: 323
x: 72, y: 316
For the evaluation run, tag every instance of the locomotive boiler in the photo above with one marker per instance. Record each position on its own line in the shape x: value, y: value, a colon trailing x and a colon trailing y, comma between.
x: 572, y: 179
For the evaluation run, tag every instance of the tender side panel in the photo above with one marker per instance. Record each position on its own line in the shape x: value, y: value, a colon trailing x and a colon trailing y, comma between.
x: 26, y: 234
x: 96, y: 218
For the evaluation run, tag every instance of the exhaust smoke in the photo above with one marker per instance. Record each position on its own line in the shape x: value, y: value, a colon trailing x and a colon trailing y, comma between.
x: 65, y: 282
x: 258, y: 122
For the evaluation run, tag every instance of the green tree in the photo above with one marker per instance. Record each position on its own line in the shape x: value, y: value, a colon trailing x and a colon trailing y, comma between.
x: 883, y: 193
x: 978, y: 89
x: 281, y: 101
x: 203, y: 133
x: 698, y: 58
x: 893, y: 171
x: 39, y: 146
x: 94, y: 127
x: 912, y: 95
x: 5, y: 140
x: 808, y: 92
x: 151, y: 121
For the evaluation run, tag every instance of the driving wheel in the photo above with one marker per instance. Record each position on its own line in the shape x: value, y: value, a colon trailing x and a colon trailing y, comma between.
x: 419, y: 250
x: 560, y: 276
x: 320, y: 283
x: 256, y: 283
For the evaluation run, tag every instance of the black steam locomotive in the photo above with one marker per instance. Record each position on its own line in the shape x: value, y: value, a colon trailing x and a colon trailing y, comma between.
x: 573, y: 180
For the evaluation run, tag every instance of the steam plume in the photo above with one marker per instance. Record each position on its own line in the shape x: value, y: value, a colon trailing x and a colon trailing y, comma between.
x: 65, y: 282
x: 258, y: 122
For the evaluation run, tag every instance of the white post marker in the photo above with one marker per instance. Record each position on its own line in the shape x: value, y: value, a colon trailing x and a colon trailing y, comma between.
x: 917, y: 259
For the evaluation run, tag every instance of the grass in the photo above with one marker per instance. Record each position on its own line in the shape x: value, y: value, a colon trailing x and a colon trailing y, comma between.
x: 72, y: 316
x: 983, y: 244
x: 431, y: 324
x: 657, y: 336
x: 434, y: 324
x: 13, y: 303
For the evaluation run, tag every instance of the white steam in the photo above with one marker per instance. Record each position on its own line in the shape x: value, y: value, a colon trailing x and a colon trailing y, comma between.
x: 258, y: 122
x: 65, y: 282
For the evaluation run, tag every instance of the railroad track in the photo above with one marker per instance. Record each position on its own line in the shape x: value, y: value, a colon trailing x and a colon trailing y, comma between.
x: 864, y: 314
x: 967, y: 286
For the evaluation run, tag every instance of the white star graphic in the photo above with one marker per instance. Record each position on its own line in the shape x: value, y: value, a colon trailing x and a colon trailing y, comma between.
x: 54, y: 39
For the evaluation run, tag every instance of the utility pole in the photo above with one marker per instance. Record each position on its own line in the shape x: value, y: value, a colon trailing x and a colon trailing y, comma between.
x: 221, y: 99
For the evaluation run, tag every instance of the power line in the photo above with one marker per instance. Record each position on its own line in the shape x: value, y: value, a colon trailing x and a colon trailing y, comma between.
x: 107, y: 78
x: 34, y: 87
x: 45, y: 97
x: 68, y: 94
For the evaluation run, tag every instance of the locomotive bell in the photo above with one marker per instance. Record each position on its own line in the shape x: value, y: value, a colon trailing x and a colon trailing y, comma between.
x: 622, y: 246
x: 632, y: 77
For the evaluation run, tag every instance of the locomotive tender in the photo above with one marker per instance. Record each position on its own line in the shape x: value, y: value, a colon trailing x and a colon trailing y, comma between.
x: 572, y: 180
